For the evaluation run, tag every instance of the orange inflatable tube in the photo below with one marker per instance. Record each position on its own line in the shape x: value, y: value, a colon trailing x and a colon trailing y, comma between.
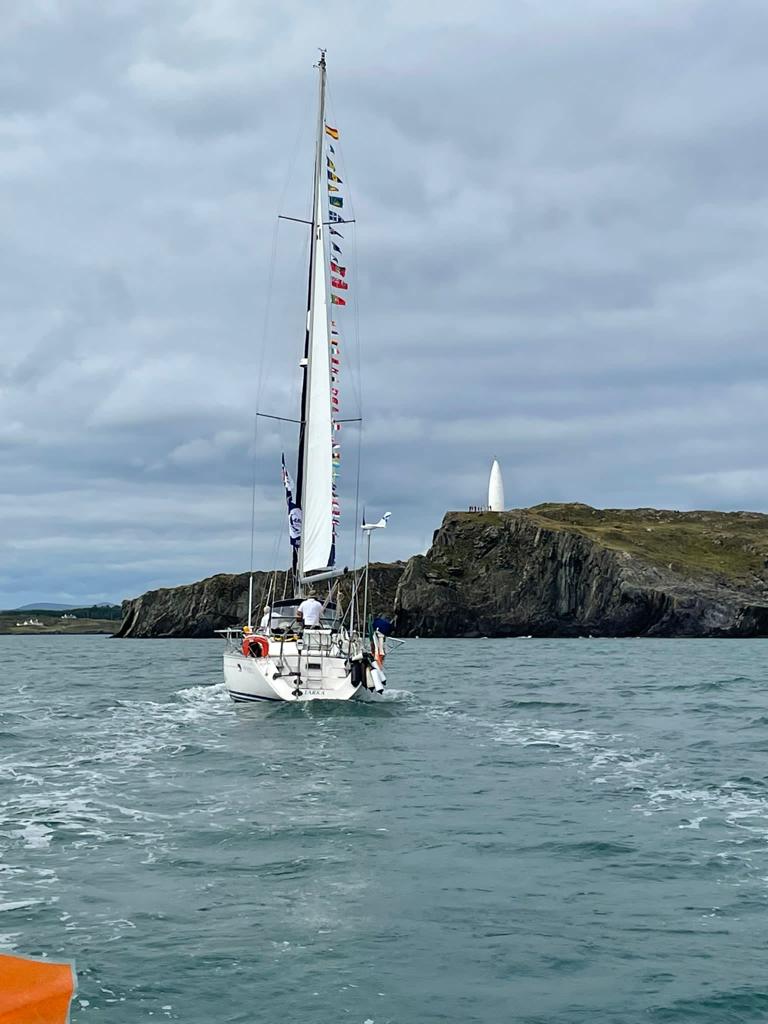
x: 35, y: 991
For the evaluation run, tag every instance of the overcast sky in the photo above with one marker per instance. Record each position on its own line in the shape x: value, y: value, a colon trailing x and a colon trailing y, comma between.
x: 560, y: 259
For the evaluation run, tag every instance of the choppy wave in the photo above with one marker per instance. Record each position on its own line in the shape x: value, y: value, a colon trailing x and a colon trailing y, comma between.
x: 573, y: 820
x: 652, y: 783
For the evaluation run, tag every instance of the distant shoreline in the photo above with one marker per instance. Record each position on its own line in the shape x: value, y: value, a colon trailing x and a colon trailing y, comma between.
x: 72, y: 627
x: 56, y: 632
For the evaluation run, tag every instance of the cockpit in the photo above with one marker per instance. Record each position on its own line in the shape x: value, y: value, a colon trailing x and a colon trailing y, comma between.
x: 282, y: 616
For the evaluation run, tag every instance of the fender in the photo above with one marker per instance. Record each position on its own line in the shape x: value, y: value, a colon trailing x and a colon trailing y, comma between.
x: 374, y: 677
x: 357, y: 672
x: 379, y: 678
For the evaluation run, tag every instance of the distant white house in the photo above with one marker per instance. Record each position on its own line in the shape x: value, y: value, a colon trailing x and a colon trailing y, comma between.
x: 30, y: 622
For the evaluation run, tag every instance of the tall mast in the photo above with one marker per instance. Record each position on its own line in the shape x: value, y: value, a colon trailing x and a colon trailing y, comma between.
x: 317, y: 326
x: 316, y: 228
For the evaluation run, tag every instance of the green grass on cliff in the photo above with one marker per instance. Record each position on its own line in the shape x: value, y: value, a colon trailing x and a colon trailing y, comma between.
x: 733, y: 544
x: 729, y: 544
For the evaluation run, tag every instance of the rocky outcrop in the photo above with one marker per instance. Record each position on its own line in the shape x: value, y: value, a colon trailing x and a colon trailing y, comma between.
x: 571, y: 570
x: 199, y: 609
x: 552, y: 570
x: 191, y: 610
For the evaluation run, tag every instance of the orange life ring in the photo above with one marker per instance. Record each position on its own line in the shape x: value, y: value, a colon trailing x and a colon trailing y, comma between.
x: 255, y: 646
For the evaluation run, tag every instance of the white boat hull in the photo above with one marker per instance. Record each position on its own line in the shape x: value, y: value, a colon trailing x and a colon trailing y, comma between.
x: 251, y: 679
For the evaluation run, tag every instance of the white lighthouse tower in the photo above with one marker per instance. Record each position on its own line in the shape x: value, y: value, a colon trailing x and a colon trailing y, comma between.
x: 496, y: 488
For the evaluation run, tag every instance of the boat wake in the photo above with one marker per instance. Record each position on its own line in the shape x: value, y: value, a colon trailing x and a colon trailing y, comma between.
x: 731, y: 813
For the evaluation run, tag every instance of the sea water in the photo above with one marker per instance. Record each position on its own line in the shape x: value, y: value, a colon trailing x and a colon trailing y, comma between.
x: 525, y: 830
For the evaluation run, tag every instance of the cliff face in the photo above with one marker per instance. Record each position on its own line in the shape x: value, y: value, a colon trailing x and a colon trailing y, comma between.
x: 192, y: 610
x: 570, y: 570
x: 552, y: 570
x: 198, y: 609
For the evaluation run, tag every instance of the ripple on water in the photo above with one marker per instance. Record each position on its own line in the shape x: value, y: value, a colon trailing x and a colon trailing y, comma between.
x: 582, y: 841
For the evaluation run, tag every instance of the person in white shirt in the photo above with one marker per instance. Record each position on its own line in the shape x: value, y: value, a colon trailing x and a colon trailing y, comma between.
x: 309, y: 611
x: 264, y: 624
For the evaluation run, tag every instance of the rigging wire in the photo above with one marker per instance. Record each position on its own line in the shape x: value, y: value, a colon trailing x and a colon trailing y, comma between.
x: 361, y: 424
x: 259, y: 386
x: 356, y: 376
x: 265, y: 335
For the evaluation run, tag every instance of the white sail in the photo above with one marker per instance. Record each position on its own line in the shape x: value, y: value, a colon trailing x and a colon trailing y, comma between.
x: 316, y: 551
x: 281, y: 660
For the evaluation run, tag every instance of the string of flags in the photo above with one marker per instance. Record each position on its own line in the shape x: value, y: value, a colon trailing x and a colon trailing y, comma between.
x: 335, y: 359
x: 338, y: 273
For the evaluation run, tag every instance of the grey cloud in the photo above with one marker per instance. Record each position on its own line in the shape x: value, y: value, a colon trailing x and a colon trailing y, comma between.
x: 559, y: 260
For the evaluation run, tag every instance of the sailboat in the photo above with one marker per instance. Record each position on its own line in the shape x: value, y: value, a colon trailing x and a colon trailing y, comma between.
x: 307, y: 647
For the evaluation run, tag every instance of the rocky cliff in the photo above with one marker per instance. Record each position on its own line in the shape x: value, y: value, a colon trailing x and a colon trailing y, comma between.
x: 571, y: 570
x: 198, y: 609
x: 552, y: 570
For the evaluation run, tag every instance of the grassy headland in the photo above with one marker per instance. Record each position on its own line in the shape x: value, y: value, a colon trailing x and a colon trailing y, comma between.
x: 94, y: 619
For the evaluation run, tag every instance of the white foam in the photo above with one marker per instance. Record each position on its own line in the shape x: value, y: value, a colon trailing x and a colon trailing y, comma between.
x: 212, y: 694
x: 35, y: 837
x: 613, y: 759
x: 18, y: 905
x: 398, y: 695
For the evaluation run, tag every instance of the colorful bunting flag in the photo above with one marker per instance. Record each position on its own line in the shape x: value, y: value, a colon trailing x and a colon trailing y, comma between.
x: 333, y: 132
x: 337, y: 300
x: 331, y: 149
x: 335, y: 232
x: 335, y: 248
x: 336, y: 282
x: 334, y: 177
x: 330, y: 163
x: 336, y: 201
x: 332, y: 188
x: 341, y: 271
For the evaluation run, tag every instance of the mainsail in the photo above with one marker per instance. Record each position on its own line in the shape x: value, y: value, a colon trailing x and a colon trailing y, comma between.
x: 296, y: 656
x: 316, y: 451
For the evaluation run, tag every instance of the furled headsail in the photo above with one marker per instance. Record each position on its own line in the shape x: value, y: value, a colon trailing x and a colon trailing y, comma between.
x: 319, y: 452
